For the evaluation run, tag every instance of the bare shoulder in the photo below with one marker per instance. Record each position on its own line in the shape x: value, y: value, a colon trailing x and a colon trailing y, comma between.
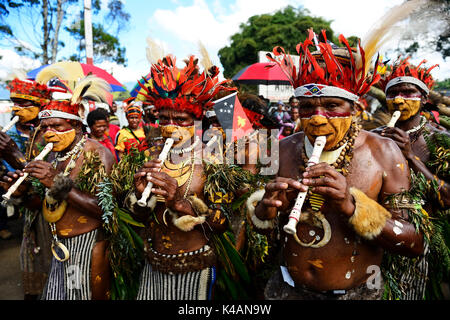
x: 105, y: 155
x: 383, y: 149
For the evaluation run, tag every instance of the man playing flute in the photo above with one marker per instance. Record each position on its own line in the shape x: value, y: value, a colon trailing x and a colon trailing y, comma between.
x: 185, y: 214
x: 427, y: 150
x: 345, y: 224
x: 79, y: 268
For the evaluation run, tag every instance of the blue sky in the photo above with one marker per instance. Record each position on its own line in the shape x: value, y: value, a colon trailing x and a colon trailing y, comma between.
x: 178, y: 25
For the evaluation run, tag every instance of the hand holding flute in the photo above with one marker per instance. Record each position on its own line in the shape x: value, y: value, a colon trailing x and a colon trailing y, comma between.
x: 162, y: 156
x: 19, y: 181
x: 291, y: 226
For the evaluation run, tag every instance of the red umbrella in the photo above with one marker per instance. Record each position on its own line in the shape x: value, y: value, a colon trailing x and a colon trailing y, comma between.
x: 261, y: 73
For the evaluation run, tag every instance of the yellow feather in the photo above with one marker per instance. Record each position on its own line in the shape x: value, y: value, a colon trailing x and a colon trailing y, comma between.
x: 98, y: 90
x: 154, y: 51
x: 50, y: 72
x: 205, y: 59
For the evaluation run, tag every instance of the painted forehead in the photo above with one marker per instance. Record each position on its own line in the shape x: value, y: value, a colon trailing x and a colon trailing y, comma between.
x: 408, y: 88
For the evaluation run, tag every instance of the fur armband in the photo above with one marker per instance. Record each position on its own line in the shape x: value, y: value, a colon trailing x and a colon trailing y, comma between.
x: 251, y: 203
x: 131, y: 202
x: 369, y: 217
x: 188, y: 222
x: 60, y: 190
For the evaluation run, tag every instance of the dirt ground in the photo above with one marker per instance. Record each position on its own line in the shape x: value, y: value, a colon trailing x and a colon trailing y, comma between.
x: 10, y: 274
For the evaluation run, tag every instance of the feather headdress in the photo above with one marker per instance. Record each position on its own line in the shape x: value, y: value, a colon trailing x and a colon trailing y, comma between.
x: 185, y: 89
x: 70, y: 107
x: 30, y: 90
x: 338, y: 72
x: 403, y: 72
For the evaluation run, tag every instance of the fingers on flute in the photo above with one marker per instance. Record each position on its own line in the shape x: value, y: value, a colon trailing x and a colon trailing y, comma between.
x: 272, y: 202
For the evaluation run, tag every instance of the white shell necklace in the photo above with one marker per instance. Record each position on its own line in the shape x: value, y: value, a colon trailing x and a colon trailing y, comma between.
x: 188, y: 149
x: 423, y: 120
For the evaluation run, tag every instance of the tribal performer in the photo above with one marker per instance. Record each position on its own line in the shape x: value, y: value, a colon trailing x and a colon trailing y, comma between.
x: 186, y: 216
x: 427, y: 150
x: 345, y: 224
x: 79, y: 268
x: 18, y: 146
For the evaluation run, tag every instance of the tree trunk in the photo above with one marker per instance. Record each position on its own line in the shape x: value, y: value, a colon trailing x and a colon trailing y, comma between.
x: 45, y: 40
x: 59, y: 19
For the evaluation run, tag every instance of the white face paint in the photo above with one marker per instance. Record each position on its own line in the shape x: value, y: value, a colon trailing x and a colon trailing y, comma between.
x: 397, y: 230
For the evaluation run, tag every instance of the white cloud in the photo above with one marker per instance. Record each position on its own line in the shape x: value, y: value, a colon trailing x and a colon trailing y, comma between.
x: 11, y: 63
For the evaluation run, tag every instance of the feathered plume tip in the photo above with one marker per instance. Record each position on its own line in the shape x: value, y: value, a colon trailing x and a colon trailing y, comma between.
x: 154, y: 51
x: 328, y: 66
x: 185, y: 89
x: 402, y: 68
x: 90, y: 87
x: 387, y: 27
x: 205, y: 60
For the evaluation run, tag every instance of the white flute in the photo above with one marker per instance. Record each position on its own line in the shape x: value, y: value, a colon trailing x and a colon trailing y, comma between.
x: 294, y: 216
x: 395, y: 116
x: 16, y: 184
x: 11, y: 123
x: 148, y: 188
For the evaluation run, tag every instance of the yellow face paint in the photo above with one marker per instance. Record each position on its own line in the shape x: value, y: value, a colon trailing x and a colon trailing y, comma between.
x: 407, y: 106
x: 61, y: 140
x: 334, y: 129
x: 179, y: 134
x: 26, y: 114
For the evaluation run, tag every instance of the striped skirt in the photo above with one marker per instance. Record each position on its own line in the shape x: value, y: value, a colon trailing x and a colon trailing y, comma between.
x: 415, y: 280
x: 157, y: 285
x: 70, y: 280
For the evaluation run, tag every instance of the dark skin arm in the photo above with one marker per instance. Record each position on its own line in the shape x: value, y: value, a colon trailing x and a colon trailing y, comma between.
x: 10, y: 152
x: 401, y: 138
x: 84, y: 202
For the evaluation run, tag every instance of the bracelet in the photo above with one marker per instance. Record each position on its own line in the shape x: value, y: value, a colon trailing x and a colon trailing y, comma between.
x: 251, y: 203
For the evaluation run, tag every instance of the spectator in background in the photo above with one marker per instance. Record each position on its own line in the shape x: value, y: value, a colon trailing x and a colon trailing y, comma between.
x: 150, y: 115
x: 295, y: 117
x: 98, y: 122
x: 133, y: 135
x: 281, y: 114
x: 293, y: 102
x: 113, y: 118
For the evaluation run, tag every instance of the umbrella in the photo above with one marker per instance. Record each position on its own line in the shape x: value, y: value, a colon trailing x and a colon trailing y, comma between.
x: 260, y: 73
x: 79, y: 70
x: 137, y: 88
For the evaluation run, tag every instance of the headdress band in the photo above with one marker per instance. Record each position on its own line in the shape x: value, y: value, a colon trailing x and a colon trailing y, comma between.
x: 313, y: 90
x: 46, y: 114
x: 407, y: 79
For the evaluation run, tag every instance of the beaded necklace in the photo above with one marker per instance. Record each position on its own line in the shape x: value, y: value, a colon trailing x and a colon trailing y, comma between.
x: 74, y: 155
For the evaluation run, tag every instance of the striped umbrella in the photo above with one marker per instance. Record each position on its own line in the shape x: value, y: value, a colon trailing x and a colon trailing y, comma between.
x: 78, y: 70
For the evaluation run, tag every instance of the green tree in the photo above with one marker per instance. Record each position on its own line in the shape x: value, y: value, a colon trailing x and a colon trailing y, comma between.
x: 286, y: 28
x: 106, y: 46
x: 42, y: 21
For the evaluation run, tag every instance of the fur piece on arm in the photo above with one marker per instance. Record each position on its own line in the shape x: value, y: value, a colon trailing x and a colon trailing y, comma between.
x: 188, y: 222
x: 61, y: 187
x: 369, y: 217
x: 251, y: 203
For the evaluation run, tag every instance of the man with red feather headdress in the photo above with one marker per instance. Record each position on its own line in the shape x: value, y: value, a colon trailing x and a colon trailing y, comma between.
x: 185, y: 216
x: 348, y: 219
x: 427, y: 150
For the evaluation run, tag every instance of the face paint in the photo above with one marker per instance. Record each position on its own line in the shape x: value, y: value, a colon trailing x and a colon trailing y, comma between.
x: 408, y: 106
x: 178, y: 133
x: 61, y: 140
x: 26, y: 113
x: 333, y: 125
